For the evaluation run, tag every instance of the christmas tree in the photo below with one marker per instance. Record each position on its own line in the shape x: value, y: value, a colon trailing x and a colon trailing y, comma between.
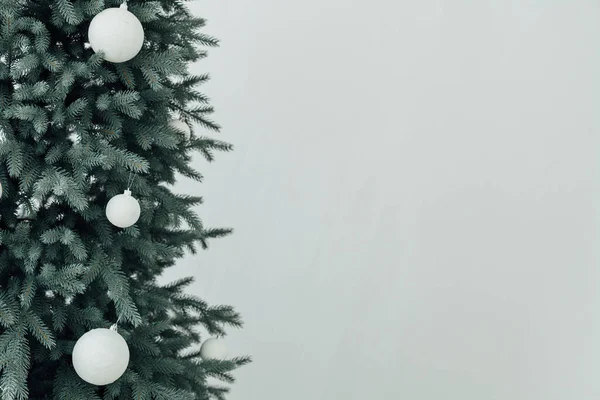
x: 96, y: 106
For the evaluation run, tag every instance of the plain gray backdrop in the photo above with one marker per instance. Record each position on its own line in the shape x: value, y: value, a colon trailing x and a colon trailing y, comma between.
x: 415, y: 194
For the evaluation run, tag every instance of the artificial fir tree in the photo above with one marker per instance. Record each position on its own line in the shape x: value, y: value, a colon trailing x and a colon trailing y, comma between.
x: 75, y: 131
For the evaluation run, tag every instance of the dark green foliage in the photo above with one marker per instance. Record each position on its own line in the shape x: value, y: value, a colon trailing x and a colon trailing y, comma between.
x: 73, y: 129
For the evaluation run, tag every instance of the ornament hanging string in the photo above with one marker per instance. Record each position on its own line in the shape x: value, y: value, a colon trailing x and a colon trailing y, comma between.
x: 131, y: 179
x: 115, y: 326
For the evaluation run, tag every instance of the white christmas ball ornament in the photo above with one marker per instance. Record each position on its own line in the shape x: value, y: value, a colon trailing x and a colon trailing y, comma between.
x: 182, y: 127
x: 100, y: 356
x: 116, y: 32
x: 213, y: 348
x: 123, y: 210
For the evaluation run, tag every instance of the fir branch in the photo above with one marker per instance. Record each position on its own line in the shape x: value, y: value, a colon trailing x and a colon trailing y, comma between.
x: 39, y: 330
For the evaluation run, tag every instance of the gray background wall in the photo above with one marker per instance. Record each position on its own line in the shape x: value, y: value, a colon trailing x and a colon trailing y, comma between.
x: 415, y: 192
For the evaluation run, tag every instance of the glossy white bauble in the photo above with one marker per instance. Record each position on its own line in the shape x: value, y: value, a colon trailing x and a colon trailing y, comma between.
x: 213, y: 348
x: 100, y: 356
x: 182, y: 127
x: 117, y: 33
x: 123, y: 210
